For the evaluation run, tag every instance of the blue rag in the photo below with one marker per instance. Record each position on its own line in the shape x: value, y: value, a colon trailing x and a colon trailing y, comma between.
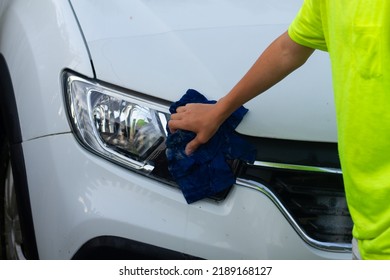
x: 206, y: 172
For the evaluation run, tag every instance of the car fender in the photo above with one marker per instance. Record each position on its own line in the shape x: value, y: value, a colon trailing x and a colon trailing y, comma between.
x: 37, y: 42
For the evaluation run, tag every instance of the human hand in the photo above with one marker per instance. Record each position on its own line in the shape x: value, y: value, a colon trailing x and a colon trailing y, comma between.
x: 201, y: 119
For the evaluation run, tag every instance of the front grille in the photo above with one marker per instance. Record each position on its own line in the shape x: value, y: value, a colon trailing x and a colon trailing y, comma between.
x: 318, y: 203
x: 304, y: 180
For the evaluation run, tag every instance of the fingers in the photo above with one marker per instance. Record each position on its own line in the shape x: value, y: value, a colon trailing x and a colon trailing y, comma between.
x: 173, y: 123
x: 173, y: 127
x: 195, y: 118
x: 179, y: 120
x: 192, y: 146
x: 180, y: 109
x: 175, y: 118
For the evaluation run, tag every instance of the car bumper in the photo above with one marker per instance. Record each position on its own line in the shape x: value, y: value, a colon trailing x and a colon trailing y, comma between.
x: 77, y: 196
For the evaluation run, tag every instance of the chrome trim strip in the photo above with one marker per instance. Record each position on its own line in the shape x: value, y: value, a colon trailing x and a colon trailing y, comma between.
x: 327, y: 246
x: 296, y: 167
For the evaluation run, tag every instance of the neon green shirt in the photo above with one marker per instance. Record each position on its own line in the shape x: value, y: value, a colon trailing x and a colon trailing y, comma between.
x: 356, y: 33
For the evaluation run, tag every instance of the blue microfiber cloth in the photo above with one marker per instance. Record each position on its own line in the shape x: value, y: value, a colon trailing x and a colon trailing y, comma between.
x: 206, y: 172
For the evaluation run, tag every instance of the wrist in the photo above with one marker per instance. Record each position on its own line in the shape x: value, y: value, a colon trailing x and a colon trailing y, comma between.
x: 223, y: 109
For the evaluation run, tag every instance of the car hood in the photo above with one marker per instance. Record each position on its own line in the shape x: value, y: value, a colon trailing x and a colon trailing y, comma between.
x: 163, y: 48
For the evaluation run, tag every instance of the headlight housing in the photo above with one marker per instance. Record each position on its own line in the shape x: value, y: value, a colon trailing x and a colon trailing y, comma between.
x: 122, y: 126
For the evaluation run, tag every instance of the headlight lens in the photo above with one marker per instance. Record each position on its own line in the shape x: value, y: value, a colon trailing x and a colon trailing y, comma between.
x: 122, y: 126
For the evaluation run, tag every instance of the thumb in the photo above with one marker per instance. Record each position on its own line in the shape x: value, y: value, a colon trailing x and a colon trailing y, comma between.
x: 192, y: 146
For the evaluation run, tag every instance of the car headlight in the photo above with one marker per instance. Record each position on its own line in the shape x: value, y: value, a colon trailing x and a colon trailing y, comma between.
x: 122, y: 126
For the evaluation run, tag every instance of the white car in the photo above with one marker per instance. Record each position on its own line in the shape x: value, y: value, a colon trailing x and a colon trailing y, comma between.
x: 81, y: 180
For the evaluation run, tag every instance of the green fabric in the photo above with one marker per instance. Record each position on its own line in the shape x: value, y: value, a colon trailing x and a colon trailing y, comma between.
x: 356, y: 33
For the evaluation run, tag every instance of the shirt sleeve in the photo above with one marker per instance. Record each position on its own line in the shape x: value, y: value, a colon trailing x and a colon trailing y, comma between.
x: 307, y: 27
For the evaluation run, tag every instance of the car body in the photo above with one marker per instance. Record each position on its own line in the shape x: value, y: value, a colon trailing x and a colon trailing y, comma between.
x: 80, y: 195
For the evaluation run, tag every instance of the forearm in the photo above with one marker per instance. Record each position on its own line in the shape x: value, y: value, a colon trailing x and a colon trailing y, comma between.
x: 281, y: 58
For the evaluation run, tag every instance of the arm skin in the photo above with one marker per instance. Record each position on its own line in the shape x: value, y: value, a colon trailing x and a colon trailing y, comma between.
x: 281, y: 58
